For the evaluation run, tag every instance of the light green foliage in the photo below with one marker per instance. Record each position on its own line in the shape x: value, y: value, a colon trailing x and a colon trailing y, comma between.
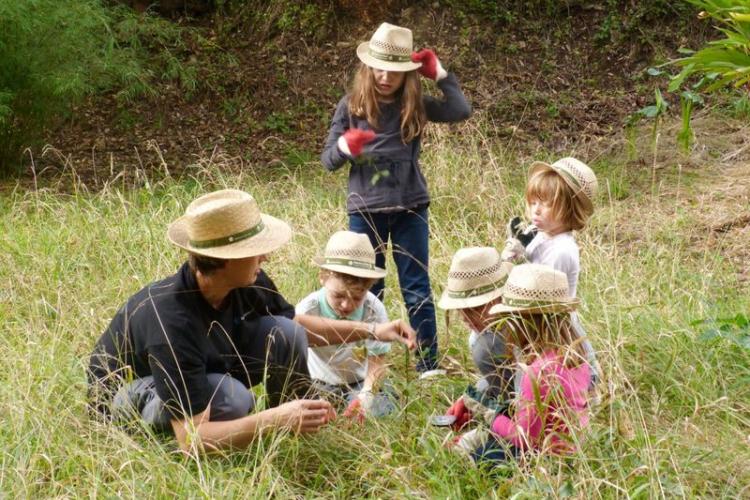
x: 673, y: 420
x: 53, y: 53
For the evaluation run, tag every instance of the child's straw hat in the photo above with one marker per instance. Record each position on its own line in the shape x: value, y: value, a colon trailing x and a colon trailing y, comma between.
x: 576, y: 174
x: 535, y: 289
x: 227, y: 224
x: 476, y: 277
x: 389, y: 49
x: 350, y: 253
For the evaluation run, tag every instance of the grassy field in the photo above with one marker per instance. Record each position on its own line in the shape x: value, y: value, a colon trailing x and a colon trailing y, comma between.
x: 674, y: 419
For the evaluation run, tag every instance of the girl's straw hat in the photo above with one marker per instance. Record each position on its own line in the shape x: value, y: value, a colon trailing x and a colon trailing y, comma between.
x: 476, y: 277
x: 389, y: 49
x: 350, y: 253
x: 535, y: 289
x: 576, y: 174
x: 227, y: 224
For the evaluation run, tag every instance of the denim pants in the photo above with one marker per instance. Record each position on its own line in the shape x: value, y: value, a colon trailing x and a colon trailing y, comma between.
x: 408, y: 231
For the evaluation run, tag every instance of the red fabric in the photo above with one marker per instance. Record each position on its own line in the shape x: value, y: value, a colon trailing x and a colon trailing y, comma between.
x: 552, y: 400
x: 355, y: 411
x: 461, y: 412
x: 357, y: 138
x: 429, y: 63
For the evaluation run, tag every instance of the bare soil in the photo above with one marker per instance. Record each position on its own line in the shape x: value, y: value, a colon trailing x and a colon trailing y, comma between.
x: 264, y: 99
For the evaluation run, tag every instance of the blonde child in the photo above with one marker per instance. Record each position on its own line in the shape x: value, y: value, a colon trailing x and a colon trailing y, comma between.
x: 350, y: 372
x: 377, y: 128
x: 559, y: 200
x: 551, y: 407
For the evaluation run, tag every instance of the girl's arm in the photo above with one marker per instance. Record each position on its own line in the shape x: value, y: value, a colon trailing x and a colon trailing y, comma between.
x: 453, y: 107
x: 332, y: 157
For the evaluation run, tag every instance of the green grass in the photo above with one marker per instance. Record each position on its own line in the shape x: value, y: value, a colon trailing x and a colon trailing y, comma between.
x: 70, y: 259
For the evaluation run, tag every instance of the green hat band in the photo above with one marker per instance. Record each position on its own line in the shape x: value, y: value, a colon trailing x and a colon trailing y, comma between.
x: 465, y: 294
x: 570, y: 177
x: 388, y: 57
x: 233, y: 238
x: 349, y: 263
x: 530, y: 303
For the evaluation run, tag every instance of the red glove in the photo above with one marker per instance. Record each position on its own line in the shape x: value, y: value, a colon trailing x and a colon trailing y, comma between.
x: 461, y: 412
x: 354, y: 140
x: 431, y: 67
x: 355, y: 411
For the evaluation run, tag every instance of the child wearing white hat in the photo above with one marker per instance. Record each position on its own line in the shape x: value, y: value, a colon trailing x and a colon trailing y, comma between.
x: 475, y: 283
x: 559, y: 200
x: 377, y: 129
x: 350, y: 372
x: 551, y: 406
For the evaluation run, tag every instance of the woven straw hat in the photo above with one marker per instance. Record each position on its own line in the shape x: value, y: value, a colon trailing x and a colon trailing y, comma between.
x: 476, y: 277
x: 576, y: 174
x: 389, y: 49
x: 227, y: 224
x: 535, y: 288
x: 350, y: 253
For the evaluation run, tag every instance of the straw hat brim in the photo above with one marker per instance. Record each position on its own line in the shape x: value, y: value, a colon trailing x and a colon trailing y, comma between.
x: 540, y: 166
x: 447, y: 302
x: 274, y: 235
x: 557, y: 307
x: 353, y: 271
x: 364, y: 56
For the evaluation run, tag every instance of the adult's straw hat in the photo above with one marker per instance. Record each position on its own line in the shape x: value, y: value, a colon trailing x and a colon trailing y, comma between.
x: 350, y: 253
x: 227, y: 224
x: 389, y: 49
x: 476, y: 277
x: 576, y: 174
x: 535, y: 289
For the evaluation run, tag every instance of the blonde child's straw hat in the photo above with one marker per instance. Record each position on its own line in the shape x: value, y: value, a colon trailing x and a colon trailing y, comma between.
x: 389, y: 49
x: 350, y: 253
x: 227, y: 224
x: 535, y: 289
x: 576, y: 174
x: 476, y: 277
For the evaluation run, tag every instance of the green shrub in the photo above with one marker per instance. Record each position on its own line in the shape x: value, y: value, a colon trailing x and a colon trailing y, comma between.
x: 53, y: 53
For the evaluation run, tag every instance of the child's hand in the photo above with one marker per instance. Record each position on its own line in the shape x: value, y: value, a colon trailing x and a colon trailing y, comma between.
x: 519, y: 235
x: 431, y: 67
x: 461, y: 412
x: 356, y: 411
x: 521, y: 231
x: 353, y: 140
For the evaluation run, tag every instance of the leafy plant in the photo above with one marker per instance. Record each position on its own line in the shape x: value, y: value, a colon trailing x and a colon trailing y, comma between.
x: 723, y: 63
x: 735, y: 329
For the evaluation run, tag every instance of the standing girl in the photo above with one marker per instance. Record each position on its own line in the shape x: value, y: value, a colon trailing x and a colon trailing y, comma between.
x: 377, y: 128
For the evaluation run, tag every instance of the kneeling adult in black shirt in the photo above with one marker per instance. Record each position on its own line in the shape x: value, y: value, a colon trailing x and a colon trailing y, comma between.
x: 183, y: 352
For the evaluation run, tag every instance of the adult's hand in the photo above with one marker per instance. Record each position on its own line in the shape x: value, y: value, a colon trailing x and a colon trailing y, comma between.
x: 397, y: 331
x: 303, y: 415
x: 353, y: 140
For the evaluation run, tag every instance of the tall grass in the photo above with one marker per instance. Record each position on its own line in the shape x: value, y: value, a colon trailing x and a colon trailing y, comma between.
x: 673, y: 420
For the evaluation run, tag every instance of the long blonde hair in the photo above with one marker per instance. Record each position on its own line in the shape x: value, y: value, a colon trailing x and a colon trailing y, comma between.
x: 534, y: 334
x: 363, y: 102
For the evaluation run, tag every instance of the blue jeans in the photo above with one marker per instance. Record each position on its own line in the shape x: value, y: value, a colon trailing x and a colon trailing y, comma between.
x: 408, y: 231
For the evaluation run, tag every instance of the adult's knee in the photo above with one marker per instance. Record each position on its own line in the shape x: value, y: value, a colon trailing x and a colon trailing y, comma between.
x: 284, y: 334
x: 231, y: 399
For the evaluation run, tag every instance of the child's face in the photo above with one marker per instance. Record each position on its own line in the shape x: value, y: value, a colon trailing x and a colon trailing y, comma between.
x: 477, y: 318
x: 543, y: 217
x: 343, y: 299
x: 387, y: 83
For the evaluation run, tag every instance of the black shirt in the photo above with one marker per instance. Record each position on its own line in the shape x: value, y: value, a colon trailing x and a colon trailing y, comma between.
x: 168, y: 330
